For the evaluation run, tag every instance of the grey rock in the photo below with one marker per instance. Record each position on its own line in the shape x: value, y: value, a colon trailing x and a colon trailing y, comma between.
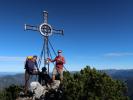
x: 38, y: 90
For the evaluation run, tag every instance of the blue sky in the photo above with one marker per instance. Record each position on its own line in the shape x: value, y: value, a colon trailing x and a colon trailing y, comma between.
x: 97, y: 32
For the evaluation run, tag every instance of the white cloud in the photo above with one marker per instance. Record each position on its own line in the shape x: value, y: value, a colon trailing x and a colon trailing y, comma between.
x: 118, y: 54
x: 11, y: 58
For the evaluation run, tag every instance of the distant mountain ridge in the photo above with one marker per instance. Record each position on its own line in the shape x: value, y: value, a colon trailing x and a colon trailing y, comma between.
x: 7, y: 73
x: 118, y: 74
x: 112, y: 72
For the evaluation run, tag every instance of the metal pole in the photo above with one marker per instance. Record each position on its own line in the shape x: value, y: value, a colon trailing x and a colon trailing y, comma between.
x: 47, y: 54
x: 44, y: 52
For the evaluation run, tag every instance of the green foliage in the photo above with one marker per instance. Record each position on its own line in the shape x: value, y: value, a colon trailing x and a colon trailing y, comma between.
x: 90, y: 84
x: 10, y: 93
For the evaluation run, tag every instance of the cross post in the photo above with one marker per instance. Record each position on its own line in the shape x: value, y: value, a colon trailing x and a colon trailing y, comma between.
x: 46, y: 30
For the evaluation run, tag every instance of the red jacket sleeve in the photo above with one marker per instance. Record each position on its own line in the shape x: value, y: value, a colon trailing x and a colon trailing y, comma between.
x: 63, y: 60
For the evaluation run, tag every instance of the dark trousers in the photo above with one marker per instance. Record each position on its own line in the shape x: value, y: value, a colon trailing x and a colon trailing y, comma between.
x: 27, y: 78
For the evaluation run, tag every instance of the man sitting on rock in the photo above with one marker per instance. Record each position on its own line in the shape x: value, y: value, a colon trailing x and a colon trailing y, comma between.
x: 44, y: 78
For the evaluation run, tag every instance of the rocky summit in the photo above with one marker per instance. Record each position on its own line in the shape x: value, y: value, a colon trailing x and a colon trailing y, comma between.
x: 38, y: 92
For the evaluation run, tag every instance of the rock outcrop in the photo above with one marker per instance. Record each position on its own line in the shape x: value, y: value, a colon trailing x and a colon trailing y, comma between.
x: 38, y: 91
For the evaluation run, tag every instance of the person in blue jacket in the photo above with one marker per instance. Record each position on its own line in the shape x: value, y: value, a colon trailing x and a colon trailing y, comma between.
x: 31, y: 68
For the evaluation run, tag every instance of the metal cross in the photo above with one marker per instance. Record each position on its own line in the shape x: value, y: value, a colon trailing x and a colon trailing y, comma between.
x: 46, y: 30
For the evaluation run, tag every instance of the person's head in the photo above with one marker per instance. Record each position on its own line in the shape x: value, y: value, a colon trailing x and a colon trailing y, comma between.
x: 59, y: 52
x: 34, y: 58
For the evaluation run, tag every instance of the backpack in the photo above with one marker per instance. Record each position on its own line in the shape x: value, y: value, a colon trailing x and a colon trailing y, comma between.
x: 26, y: 62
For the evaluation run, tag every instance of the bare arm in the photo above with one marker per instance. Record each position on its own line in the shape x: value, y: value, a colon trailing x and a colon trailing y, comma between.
x: 51, y: 60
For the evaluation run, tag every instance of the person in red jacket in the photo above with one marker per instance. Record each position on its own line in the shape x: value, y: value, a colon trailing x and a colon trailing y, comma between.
x: 59, y: 63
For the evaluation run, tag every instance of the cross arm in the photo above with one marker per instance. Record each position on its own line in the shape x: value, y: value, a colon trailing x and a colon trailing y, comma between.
x: 31, y: 27
x: 45, y: 16
x: 55, y: 31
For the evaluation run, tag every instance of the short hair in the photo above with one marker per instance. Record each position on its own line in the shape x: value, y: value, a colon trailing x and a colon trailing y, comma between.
x: 35, y: 56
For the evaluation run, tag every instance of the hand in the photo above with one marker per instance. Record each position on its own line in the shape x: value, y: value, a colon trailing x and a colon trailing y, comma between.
x: 48, y: 59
